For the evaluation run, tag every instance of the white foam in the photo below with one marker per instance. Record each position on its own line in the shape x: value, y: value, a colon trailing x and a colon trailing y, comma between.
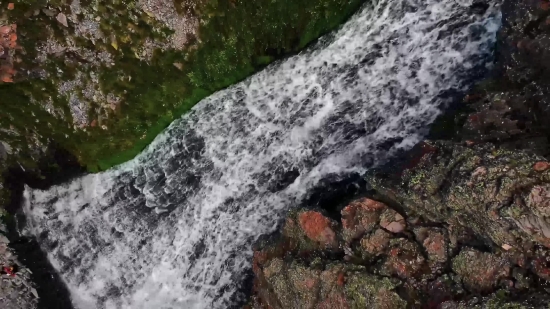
x: 173, y: 227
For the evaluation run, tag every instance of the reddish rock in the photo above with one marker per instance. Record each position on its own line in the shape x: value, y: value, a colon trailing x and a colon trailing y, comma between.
x: 6, y: 78
x: 395, y: 227
x: 479, y: 172
x: 360, y: 217
x: 436, y: 246
x: 5, y: 30
x: 11, y: 6
x: 62, y: 19
x: 392, y: 221
x: 541, y: 166
x: 376, y: 243
x: 333, y: 277
x: 8, y: 41
x: 539, y: 201
x: 506, y: 247
x: 317, y: 227
x: 479, y: 271
x: 404, y: 259
x: 258, y: 260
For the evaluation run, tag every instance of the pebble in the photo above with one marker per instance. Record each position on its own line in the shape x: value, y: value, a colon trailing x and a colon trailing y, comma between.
x: 62, y: 19
x: 395, y: 227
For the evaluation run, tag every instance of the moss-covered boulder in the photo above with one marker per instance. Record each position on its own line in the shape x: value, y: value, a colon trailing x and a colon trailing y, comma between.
x: 102, y: 78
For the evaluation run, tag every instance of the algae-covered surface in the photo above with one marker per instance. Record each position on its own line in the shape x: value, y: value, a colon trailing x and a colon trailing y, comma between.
x: 102, y: 78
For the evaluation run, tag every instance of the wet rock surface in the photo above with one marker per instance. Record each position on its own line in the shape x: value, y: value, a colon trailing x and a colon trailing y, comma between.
x: 460, y: 221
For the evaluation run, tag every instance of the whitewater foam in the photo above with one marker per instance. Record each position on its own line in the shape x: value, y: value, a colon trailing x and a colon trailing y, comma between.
x: 173, y: 228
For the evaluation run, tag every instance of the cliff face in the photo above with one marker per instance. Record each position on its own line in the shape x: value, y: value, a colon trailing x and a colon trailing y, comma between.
x: 459, y: 222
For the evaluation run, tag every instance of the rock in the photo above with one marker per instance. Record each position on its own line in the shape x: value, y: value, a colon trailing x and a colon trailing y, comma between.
x: 5, y: 30
x: 317, y: 227
x: 360, y: 217
x: 480, y: 272
x: 392, y: 221
x: 404, y: 259
x: 376, y: 243
x: 4, y: 239
x: 541, y: 166
x: 11, y: 6
x: 395, y: 227
x: 506, y: 247
x: 34, y: 293
x: 62, y: 19
x: 295, y: 285
x: 436, y: 245
x: 368, y: 291
x: 481, y: 203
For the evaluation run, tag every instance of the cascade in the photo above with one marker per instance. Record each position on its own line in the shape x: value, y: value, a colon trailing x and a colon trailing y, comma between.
x: 173, y: 228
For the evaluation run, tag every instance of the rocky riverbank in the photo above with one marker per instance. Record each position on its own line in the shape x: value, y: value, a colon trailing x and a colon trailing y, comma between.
x: 461, y: 221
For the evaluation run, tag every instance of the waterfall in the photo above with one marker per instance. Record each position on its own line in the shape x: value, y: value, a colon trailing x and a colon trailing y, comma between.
x: 173, y: 228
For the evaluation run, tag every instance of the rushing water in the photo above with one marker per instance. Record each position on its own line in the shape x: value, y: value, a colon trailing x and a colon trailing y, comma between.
x: 173, y: 228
